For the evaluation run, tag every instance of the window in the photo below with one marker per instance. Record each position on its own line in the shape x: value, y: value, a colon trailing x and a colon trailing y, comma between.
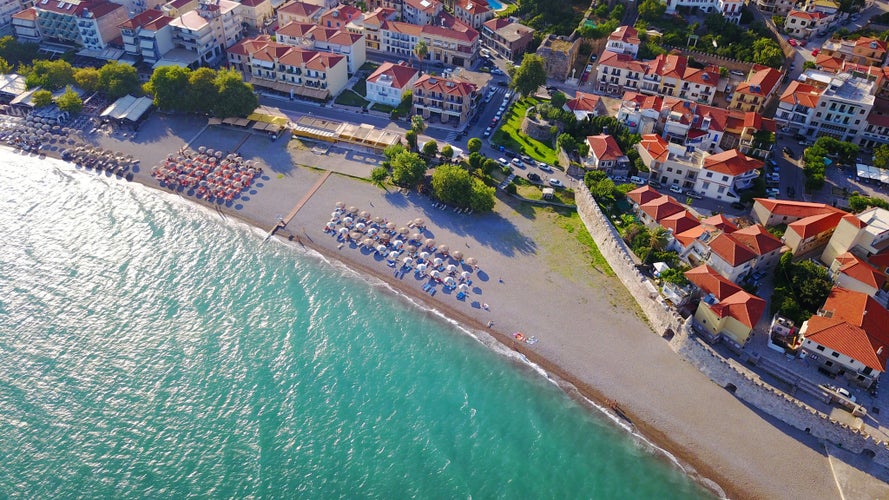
x: 818, y: 114
x: 709, y: 174
x: 669, y: 169
x: 828, y: 363
x: 835, y: 354
x: 721, y: 189
x: 725, y: 178
x: 820, y: 348
x: 705, y: 186
x: 679, y: 172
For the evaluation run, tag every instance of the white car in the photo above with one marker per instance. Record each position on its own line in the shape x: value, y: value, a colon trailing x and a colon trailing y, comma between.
x: 675, y: 188
x: 846, y: 394
x: 555, y: 183
x: 487, y: 132
x: 545, y: 167
x: 517, y: 162
x: 639, y: 181
x: 503, y: 161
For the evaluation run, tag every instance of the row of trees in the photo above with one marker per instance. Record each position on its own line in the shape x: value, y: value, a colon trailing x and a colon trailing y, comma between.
x: 221, y: 93
x: 69, y: 101
x: 825, y: 150
x: 114, y: 79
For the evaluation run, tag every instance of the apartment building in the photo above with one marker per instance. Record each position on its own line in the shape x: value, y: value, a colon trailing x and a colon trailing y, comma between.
x: 826, y: 104
x: 506, y: 37
x: 256, y: 12
x: 865, y: 234
x: 755, y: 92
x: 25, y: 26
x: 336, y: 41
x: 147, y: 35
x: 448, y: 42
x: 854, y: 273
x: 8, y: 8
x: 729, y: 9
x: 289, y: 70
x: 339, y: 16
x: 473, y: 13
x: 865, y: 50
x: 443, y: 99
x: 666, y: 75
x: 725, y: 309
x: 206, y: 32
x: 624, y: 40
x: 640, y: 112
x: 804, y: 25
x: 98, y: 25
x: 420, y: 11
x: 369, y: 25
x: 877, y: 130
x: 777, y: 7
x: 388, y: 83
x: 299, y: 12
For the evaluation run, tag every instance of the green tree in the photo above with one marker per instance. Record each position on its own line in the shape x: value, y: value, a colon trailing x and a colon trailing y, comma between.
x: 41, y: 98
x: 408, y: 169
x: 881, y: 156
x: 87, y: 79
x: 418, y: 124
x: 474, y: 145
x: 566, y: 141
x: 674, y: 276
x: 859, y: 203
x: 235, y: 98
x: 411, y: 137
x: 489, y: 166
x: 474, y: 162
x: 5, y: 67
x: 652, y: 10
x: 483, y: 197
x: 70, y: 101
x: 118, y: 79
x: 558, y: 99
x: 168, y: 85
x: 378, y: 176
x: 767, y: 52
x: 50, y: 75
x: 202, y: 90
x: 452, y: 184
x: 601, y: 187
x: 447, y: 152
x: 430, y: 149
x: 16, y: 52
x: 421, y: 50
x: 528, y: 76
x: 392, y: 151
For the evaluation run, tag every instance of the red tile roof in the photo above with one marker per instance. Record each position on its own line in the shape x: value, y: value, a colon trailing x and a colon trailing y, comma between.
x: 758, y: 239
x: 584, y: 102
x: 720, y: 222
x: 854, y: 267
x: 814, y: 225
x: 733, y: 301
x: 798, y: 209
x: 444, y: 85
x: 761, y: 83
x: 656, y: 146
x: 497, y: 23
x: 623, y: 61
x: 880, y: 259
x: 643, y: 101
x: 856, y: 327
x: 300, y: 9
x: 688, y: 236
x: 626, y: 34
x: 296, y: 29
x: 643, y: 195
x: 802, y: 94
x: 400, y: 74
x: 604, y: 147
x: 29, y: 14
x: 659, y: 208
x: 680, y: 222
x: 428, y: 6
x: 731, y: 250
x: 708, y: 280
x: 252, y: 3
x: 731, y: 162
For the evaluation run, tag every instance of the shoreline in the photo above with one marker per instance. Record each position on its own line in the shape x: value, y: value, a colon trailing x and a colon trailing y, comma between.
x: 668, y: 427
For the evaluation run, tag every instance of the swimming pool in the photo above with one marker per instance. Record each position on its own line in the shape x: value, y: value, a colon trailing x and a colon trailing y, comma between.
x: 494, y: 4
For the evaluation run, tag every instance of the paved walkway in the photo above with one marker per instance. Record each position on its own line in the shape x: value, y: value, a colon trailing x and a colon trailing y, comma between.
x: 304, y: 199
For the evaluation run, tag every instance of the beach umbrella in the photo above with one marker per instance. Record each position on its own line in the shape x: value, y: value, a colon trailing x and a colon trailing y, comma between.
x: 408, y: 261
x: 368, y: 242
x: 421, y: 268
x: 377, y: 220
x: 419, y: 222
x: 355, y: 235
x: 340, y: 205
x: 449, y: 281
x: 334, y: 215
x: 443, y: 249
x: 435, y: 274
x: 347, y: 220
x: 410, y: 248
x: 465, y: 275
x: 343, y: 230
x: 430, y: 243
x: 390, y: 226
x: 364, y: 214
x: 393, y: 255
x: 463, y: 287
x: 416, y: 237
x: 403, y: 230
x: 381, y: 248
x: 437, y: 262
x: 471, y: 261
x: 457, y: 255
x: 353, y: 210
x: 384, y: 236
x: 397, y: 243
x: 424, y: 255
x: 451, y: 268
x: 331, y: 225
x: 204, y: 183
x: 372, y: 231
x: 360, y: 226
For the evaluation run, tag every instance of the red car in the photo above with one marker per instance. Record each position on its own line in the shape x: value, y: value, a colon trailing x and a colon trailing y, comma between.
x: 816, y: 52
x: 792, y: 42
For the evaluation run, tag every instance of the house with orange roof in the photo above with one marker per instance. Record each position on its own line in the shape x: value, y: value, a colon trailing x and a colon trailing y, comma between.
x: 443, y: 99
x: 339, y: 16
x: 624, y: 40
x: 865, y: 234
x: 448, y: 40
x: 257, y: 12
x: 849, y: 337
x: 725, y: 310
x: 643, y: 195
x: 369, y: 25
x: 334, y: 40
x: 605, y: 154
x: 506, y: 37
x: 802, y: 24
x: 420, y: 11
x: 640, y: 112
x: 730, y: 257
x: 863, y: 50
x: 721, y: 222
x: 680, y: 223
x: 25, y: 27
x: 473, y: 13
x: 584, y: 105
x: 617, y: 72
x: 771, y: 213
x: 653, y: 211
x: 796, y: 106
x: 388, y: 83
x: 757, y: 90
x: 854, y: 273
x: 287, y: 70
x: 147, y: 35
x: 299, y: 12
x: 765, y: 245
x: 811, y: 233
x: 826, y: 103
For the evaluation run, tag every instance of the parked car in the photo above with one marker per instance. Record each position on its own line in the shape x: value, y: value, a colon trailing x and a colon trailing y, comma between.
x: 496, y: 71
x: 619, y: 179
x: 543, y: 166
x: 787, y: 151
x: 815, y: 52
x: 738, y: 73
x: 533, y: 177
x: 640, y: 181
x: 694, y: 194
x: 555, y: 183
x: 503, y: 161
x: 502, y: 83
x: 518, y: 163
x: 792, y: 42
x: 526, y: 159
x: 487, y: 132
x: 675, y: 188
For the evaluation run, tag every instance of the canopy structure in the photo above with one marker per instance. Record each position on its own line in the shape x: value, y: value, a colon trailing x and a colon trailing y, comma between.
x: 333, y: 131
x: 872, y: 173
x: 127, y: 109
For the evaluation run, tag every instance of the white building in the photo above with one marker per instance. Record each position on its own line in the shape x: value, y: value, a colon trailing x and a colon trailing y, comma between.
x: 209, y: 30
x: 8, y: 8
x: 730, y: 9
x: 148, y: 35
x: 389, y: 82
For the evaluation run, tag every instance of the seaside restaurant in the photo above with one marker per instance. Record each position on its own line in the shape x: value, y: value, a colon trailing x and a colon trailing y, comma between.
x: 127, y: 111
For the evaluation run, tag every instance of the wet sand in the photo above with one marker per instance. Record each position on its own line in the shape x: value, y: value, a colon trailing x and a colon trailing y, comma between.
x: 589, y: 331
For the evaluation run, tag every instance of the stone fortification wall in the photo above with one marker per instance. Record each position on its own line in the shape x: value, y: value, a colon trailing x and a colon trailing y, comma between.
x: 726, y: 372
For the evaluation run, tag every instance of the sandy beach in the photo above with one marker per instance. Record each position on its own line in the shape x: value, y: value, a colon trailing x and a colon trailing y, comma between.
x: 538, y: 279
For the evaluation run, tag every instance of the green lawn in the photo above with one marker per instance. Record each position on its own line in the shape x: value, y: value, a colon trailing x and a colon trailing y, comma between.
x: 360, y: 87
x: 531, y: 191
x: 350, y: 98
x: 385, y: 108
x: 511, y: 136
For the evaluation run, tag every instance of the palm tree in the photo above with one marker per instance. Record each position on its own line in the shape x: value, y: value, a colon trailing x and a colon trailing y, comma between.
x: 421, y: 50
x: 657, y: 241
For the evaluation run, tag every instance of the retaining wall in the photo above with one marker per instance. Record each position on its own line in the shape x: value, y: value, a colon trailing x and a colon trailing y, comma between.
x: 726, y: 372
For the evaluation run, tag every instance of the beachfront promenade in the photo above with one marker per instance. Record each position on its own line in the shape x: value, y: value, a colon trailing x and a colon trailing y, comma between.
x: 537, y: 279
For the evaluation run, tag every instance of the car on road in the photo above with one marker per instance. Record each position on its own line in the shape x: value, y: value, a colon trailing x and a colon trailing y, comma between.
x: 518, y: 163
x: 639, y: 181
x: 787, y: 151
x: 842, y: 391
x: 815, y: 52
x: 496, y: 71
x: 738, y: 73
x: 487, y: 132
x: 792, y: 42
x: 694, y: 194
x: 738, y: 205
x: 527, y: 159
x: 619, y: 179
x: 675, y: 188
x: 503, y: 161
x: 502, y: 83
x: 544, y: 166
x: 497, y: 116
x: 533, y: 177
x: 555, y: 183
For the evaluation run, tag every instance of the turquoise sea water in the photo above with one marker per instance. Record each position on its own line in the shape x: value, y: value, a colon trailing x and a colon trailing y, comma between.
x: 149, y: 348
